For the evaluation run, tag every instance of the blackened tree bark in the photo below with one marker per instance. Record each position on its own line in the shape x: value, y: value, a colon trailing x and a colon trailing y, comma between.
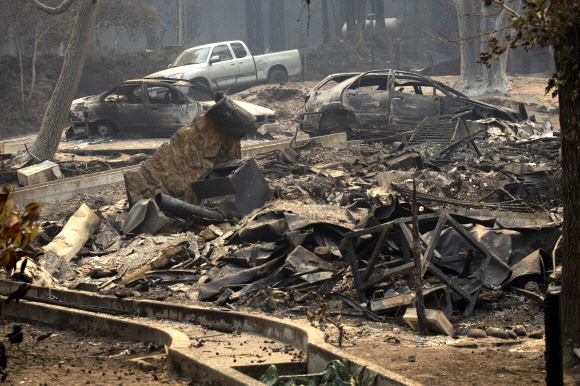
x: 55, y: 118
x: 556, y: 24
x: 254, y: 28
x: 567, y: 54
x: 276, y: 25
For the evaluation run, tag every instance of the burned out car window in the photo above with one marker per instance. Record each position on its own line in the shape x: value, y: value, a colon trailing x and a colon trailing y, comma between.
x: 130, y: 94
x: 165, y: 95
x: 371, y: 83
x: 413, y: 85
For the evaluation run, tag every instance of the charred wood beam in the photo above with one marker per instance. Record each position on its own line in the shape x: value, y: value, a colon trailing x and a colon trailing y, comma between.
x: 376, y: 252
x: 389, y: 272
x: 433, y: 242
x: 448, y: 152
x: 379, y: 228
x: 370, y: 315
x: 514, y: 207
x: 464, y: 122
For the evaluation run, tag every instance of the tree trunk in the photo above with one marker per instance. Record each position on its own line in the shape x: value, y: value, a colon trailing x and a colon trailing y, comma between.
x: 468, y: 47
x: 476, y: 21
x: 37, y: 38
x: 361, y: 17
x: 338, y: 18
x: 350, y: 9
x: 254, y: 26
x: 325, y: 27
x: 361, y: 12
x: 181, y: 23
x: 276, y: 25
x: 116, y: 42
x: 380, y: 13
x: 21, y: 65
x: 497, y: 80
x: 567, y: 55
x: 56, y: 116
x: 153, y: 37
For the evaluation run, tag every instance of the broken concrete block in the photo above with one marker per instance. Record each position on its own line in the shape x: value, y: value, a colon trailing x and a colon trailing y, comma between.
x: 36, y: 174
x: 436, y: 321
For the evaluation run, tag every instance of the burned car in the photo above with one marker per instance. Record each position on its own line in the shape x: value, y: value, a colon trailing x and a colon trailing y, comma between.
x: 388, y: 102
x: 147, y: 108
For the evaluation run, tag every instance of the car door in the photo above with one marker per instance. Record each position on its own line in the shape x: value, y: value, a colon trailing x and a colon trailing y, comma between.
x: 168, y: 110
x: 368, y: 97
x: 224, y: 72
x: 246, y: 65
x: 413, y: 98
x: 125, y: 107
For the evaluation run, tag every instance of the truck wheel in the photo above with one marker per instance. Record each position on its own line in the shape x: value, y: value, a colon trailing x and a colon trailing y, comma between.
x: 105, y: 129
x: 277, y: 76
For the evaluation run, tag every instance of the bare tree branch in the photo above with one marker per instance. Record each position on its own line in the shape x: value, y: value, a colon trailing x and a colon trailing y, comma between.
x: 53, y: 10
x: 501, y: 4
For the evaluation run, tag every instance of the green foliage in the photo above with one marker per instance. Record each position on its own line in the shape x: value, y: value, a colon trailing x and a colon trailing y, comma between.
x: 17, y: 229
x: 337, y: 373
x: 544, y: 23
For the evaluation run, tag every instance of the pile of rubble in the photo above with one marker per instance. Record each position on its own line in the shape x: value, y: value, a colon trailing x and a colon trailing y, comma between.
x: 284, y: 229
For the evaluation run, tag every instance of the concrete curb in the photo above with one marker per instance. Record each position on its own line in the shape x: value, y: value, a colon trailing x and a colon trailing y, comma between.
x: 84, y: 318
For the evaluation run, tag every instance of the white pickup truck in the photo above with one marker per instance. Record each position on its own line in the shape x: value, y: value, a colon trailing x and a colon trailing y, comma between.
x: 220, y: 66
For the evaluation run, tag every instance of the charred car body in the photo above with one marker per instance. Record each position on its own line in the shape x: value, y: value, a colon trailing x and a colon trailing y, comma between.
x: 147, y: 108
x: 388, y: 102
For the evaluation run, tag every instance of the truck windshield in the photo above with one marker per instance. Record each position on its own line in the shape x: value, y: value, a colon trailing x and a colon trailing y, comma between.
x: 191, y: 57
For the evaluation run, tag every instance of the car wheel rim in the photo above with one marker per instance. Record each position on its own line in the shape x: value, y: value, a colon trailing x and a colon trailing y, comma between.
x: 103, y: 130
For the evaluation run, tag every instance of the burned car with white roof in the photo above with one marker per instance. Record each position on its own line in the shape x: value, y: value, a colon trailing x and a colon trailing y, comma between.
x: 149, y: 108
x: 388, y: 102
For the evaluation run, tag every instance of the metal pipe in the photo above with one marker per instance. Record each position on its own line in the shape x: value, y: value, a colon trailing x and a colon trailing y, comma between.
x: 183, y: 209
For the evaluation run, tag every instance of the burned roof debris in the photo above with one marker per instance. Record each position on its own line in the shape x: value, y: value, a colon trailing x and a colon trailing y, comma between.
x: 308, y: 225
x: 290, y: 227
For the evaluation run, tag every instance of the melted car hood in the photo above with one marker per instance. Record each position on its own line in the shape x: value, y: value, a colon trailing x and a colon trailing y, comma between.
x: 84, y: 101
x: 253, y: 109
